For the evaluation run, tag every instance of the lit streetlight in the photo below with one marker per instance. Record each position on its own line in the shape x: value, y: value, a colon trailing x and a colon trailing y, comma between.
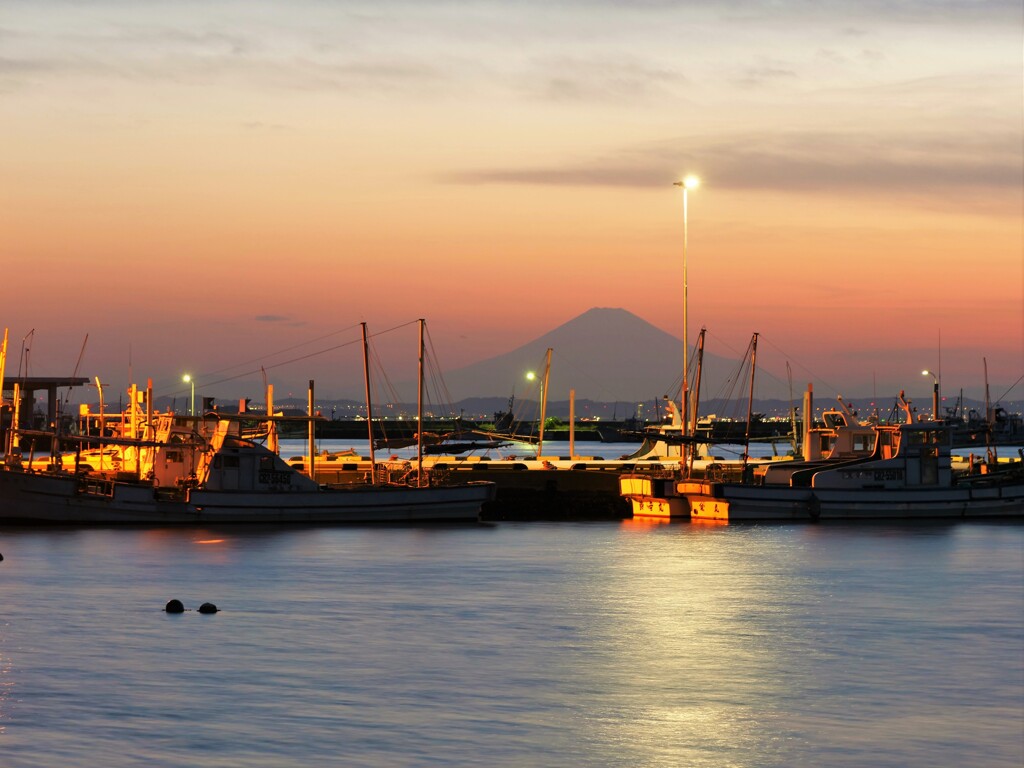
x: 192, y: 402
x: 688, y: 183
x: 531, y: 376
x: 935, y: 394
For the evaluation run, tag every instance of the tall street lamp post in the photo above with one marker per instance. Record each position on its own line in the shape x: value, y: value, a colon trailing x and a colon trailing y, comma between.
x: 688, y: 183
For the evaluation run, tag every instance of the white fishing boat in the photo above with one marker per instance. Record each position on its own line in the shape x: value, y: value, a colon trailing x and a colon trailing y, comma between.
x: 184, y: 477
x: 907, y: 474
x: 164, y: 469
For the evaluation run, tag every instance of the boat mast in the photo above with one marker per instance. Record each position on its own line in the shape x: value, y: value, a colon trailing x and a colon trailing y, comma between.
x: 131, y: 451
x: 792, y: 409
x: 750, y: 400
x: 696, y: 393
x: 419, y: 412
x: 311, y: 429
x: 272, y: 436
x: 3, y: 365
x: 369, y: 405
x: 146, y: 453
x: 12, y: 434
x: 543, y: 401
x: 990, y: 421
x: 808, y: 406
x: 99, y: 390
x: 988, y: 405
x: 572, y: 423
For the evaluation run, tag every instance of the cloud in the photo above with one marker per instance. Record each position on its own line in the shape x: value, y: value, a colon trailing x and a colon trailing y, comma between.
x: 765, y: 74
x: 275, y: 51
x: 800, y: 161
x: 271, y: 319
x: 604, y: 79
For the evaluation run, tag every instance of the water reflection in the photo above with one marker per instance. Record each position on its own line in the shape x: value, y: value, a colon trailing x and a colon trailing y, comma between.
x: 521, y: 644
x: 684, y: 652
x: 6, y: 687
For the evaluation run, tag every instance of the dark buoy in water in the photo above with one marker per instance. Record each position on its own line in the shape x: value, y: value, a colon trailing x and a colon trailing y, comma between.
x: 207, y: 608
x: 174, y: 606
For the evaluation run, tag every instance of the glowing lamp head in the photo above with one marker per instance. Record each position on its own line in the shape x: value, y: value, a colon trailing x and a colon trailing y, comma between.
x: 691, y: 182
x: 531, y: 376
x: 186, y: 378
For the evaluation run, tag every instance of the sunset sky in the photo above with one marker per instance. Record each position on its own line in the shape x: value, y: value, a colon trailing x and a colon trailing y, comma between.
x: 199, y: 185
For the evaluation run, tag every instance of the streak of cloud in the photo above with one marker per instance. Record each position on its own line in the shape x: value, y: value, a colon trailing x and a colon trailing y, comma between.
x: 803, y: 161
x: 602, y: 79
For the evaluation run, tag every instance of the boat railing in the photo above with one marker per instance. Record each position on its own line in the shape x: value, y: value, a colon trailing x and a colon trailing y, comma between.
x: 91, y: 485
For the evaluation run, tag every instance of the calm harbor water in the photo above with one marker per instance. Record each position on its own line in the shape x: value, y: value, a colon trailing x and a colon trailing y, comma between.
x: 537, y: 644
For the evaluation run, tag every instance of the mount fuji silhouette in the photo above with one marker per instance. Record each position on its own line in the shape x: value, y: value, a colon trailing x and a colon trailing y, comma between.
x: 604, y: 354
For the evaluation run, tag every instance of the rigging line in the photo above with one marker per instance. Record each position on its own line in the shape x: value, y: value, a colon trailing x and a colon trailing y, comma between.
x: 380, y: 382
x: 732, y: 400
x: 724, y: 343
x: 275, y: 365
x: 432, y: 363
x: 763, y: 372
x: 282, y: 351
x: 294, y: 359
x: 78, y: 364
x: 766, y: 373
x: 726, y: 388
x: 377, y: 378
x: 23, y: 360
x: 1012, y: 386
x: 800, y: 365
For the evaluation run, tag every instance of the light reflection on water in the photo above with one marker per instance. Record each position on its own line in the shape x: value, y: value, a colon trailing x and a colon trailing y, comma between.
x: 520, y: 644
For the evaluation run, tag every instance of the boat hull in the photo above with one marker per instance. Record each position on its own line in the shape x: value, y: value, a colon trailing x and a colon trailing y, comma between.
x: 735, y: 502
x: 42, y: 497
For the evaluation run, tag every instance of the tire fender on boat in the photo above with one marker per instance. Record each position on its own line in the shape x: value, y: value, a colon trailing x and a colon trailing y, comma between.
x: 814, y: 507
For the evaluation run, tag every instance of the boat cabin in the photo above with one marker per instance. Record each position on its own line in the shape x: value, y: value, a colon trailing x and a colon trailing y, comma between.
x: 905, y: 455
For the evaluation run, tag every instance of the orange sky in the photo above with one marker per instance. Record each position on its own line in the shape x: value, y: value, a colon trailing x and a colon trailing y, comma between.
x: 203, y: 183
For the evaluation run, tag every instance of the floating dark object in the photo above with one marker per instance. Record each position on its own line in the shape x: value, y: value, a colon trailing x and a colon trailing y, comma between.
x: 207, y: 608
x: 174, y: 606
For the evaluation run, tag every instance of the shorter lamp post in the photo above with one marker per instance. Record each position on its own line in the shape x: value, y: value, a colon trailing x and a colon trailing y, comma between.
x: 192, y: 401
x: 531, y: 376
x: 935, y: 394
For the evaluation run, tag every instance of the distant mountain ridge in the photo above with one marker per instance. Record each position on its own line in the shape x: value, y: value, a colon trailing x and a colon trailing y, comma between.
x: 604, y: 354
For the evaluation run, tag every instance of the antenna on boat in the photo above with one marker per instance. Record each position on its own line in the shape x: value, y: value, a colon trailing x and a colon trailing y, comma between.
x: 750, y: 400
x: 543, y: 401
x: 419, y: 411
x: 3, y: 365
x: 369, y: 405
x: 25, y: 351
x: 692, y: 429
